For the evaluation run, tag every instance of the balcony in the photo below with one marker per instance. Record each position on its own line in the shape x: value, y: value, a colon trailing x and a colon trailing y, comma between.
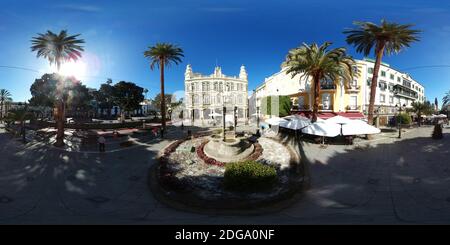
x: 328, y: 108
x: 403, y: 91
x: 353, y: 108
x: 328, y: 87
x: 301, y: 108
x: 353, y: 88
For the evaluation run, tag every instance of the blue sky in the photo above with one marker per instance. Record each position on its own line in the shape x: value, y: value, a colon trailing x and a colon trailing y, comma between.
x: 255, y: 33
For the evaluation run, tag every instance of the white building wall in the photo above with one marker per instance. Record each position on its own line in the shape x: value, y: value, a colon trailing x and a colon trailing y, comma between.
x: 391, y: 77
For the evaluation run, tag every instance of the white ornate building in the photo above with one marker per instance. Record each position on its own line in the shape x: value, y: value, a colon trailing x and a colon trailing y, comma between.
x: 206, y: 95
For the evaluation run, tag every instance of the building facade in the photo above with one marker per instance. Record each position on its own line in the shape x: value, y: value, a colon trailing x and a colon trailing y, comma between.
x: 206, y: 95
x: 350, y: 99
x: 395, y: 88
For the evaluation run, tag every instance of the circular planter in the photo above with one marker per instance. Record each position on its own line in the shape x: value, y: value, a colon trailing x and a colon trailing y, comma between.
x: 183, y: 193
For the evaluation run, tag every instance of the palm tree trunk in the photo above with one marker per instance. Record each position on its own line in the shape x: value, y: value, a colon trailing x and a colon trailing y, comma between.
x: 60, y: 117
x: 373, y: 86
x: 60, y: 124
x: 316, y: 98
x: 419, y: 119
x: 22, y: 130
x: 163, y: 99
x: 1, y: 111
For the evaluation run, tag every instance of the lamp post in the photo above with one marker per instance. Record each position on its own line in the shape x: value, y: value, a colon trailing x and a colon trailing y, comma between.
x: 235, y: 118
x: 224, y: 112
x: 257, y: 116
x: 182, y: 119
x: 400, y: 109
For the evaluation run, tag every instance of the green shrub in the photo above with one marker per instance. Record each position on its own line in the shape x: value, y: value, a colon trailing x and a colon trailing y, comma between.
x: 249, y: 176
x: 404, y: 119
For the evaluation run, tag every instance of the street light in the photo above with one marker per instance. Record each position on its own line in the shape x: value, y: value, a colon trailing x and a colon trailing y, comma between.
x: 235, y: 118
x: 224, y: 111
x: 400, y: 108
x: 182, y: 119
x: 257, y: 116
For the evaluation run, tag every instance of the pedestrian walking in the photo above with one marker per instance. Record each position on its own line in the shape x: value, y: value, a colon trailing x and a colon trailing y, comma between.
x: 155, y: 131
x: 101, y: 143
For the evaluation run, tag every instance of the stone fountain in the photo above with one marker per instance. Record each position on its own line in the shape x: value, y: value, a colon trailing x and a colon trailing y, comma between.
x: 228, y: 149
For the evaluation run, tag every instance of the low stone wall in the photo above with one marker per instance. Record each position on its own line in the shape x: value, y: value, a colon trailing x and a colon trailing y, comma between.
x: 93, y: 125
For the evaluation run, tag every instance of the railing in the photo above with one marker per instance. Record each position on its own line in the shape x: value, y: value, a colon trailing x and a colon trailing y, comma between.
x: 329, y: 108
x: 410, y: 95
x: 353, y: 107
x: 327, y: 86
x: 354, y: 87
x: 301, y: 108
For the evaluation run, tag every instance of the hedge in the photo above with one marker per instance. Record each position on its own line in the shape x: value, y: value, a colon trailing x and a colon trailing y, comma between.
x: 249, y: 176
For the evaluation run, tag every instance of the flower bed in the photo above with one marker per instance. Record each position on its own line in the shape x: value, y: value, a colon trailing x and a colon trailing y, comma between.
x: 208, y: 160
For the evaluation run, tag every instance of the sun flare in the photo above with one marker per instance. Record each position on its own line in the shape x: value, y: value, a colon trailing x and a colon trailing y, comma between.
x: 76, y: 69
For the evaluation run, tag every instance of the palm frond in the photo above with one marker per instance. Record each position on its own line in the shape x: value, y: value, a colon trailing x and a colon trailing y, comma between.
x: 394, y: 37
x: 57, y: 48
x: 165, y: 53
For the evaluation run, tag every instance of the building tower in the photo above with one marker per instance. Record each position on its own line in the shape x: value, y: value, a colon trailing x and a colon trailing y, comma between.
x: 243, y: 73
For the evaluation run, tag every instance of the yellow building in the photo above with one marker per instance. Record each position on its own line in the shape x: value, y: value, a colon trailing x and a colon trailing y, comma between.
x: 336, y: 98
x: 395, y: 88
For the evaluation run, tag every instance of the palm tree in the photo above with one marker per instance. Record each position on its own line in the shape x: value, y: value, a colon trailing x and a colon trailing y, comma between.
x: 20, y: 115
x: 5, y: 97
x: 319, y: 64
x: 446, y: 99
x: 387, y: 38
x: 421, y: 108
x: 145, y: 92
x: 162, y: 55
x: 57, y: 49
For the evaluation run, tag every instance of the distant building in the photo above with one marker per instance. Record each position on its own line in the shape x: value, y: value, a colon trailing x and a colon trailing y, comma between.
x: 206, y: 95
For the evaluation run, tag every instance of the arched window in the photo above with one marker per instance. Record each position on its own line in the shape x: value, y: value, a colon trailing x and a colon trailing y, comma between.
x: 215, y: 86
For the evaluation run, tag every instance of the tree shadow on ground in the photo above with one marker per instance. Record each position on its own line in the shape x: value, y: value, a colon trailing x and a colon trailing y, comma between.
x: 406, y: 180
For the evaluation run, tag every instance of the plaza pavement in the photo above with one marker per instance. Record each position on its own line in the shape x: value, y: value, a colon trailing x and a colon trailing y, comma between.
x: 384, y: 181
